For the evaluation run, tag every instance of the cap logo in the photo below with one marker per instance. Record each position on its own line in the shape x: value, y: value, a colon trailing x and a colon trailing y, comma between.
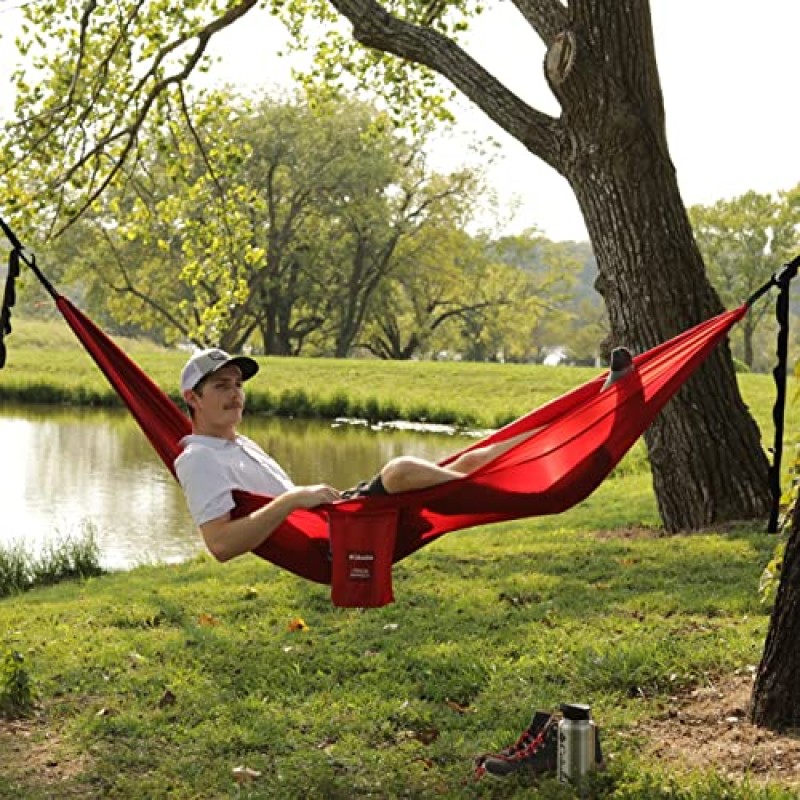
x: 217, y: 355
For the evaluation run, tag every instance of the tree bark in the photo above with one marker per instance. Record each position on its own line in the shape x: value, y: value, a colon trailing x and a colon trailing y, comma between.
x: 776, y: 692
x: 705, y: 452
x: 748, y: 330
x: 707, y: 462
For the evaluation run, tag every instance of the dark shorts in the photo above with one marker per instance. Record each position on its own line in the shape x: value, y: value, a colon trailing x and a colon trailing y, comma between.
x: 374, y: 486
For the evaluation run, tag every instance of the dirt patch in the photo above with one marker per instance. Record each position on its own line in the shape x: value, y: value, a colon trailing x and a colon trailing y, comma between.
x: 634, y: 532
x: 33, y: 754
x: 707, y: 728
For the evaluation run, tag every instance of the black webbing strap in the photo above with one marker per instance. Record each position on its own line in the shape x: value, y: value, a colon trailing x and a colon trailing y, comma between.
x: 782, y: 280
x: 16, y: 256
x: 9, y: 298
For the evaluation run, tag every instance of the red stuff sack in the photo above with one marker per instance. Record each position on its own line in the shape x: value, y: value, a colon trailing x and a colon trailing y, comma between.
x: 362, y: 547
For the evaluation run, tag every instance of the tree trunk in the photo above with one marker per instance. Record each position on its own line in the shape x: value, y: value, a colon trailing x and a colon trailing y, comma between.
x: 748, y: 331
x: 705, y: 451
x: 776, y: 693
x: 610, y: 144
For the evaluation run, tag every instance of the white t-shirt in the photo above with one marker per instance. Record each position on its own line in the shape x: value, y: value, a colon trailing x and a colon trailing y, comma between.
x: 210, y: 468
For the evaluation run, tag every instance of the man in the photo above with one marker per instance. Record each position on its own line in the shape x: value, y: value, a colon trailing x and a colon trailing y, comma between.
x: 216, y: 459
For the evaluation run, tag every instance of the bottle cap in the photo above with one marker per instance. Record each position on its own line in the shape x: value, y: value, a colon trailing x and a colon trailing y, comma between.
x: 576, y: 711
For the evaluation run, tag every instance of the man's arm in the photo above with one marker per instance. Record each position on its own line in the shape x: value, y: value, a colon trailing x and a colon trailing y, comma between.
x: 227, y: 538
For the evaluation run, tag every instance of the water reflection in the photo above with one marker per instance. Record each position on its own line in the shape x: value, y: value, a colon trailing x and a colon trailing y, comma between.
x: 62, y: 469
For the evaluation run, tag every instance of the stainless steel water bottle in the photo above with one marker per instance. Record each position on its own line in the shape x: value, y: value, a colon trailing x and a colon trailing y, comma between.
x: 576, y: 742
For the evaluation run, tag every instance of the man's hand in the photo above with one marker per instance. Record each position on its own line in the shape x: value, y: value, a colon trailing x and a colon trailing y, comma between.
x: 312, y: 496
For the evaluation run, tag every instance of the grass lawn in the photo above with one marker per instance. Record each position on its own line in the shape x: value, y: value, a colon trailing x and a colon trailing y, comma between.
x: 46, y: 364
x: 163, y: 681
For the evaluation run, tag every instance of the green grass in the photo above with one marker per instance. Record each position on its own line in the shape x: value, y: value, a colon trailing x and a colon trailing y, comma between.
x: 165, y: 679
x: 161, y: 681
x: 17, y: 698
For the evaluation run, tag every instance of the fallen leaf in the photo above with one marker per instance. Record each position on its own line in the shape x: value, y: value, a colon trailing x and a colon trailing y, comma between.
x: 457, y: 707
x: 167, y: 699
x: 327, y: 744
x: 207, y: 620
x: 297, y: 624
x: 106, y: 712
x: 245, y: 774
x: 427, y: 735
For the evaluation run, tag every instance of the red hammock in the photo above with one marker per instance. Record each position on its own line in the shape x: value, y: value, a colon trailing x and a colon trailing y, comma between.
x: 587, y: 433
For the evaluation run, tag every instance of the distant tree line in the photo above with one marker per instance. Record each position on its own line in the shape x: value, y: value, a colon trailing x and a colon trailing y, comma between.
x: 298, y: 230
x: 744, y: 240
x: 291, y: 227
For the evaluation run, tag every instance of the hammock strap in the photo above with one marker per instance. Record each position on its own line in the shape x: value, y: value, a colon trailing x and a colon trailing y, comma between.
x: 782, y: 280
x: 17, y: 247
x: 16, y: 255
x: 9, y: 298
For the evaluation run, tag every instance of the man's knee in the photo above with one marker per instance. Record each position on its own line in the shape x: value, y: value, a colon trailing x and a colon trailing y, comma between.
x: 398, y: 473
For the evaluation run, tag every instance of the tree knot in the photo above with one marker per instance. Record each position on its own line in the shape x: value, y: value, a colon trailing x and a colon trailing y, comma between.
x: 560, y: 57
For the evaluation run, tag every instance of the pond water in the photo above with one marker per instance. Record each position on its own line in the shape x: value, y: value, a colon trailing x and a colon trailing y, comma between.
x: 63, y: 469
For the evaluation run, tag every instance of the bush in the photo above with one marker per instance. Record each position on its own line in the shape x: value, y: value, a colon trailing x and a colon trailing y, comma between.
x: 17, y: 696
x: 65, y: 559
x: 14, y: 572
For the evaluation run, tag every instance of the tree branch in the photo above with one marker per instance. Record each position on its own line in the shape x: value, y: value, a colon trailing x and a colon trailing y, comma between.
x: 375, y: 27
x: 546, y: 17
x: 129, y: 133
x: 85, y: 18
x: 129, y: 287
x: 198, y: 141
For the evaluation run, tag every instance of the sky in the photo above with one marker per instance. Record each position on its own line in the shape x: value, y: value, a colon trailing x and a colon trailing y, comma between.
x: 728, y: 70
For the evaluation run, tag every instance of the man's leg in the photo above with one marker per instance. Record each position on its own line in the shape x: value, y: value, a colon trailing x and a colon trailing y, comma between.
x: 407, y: 473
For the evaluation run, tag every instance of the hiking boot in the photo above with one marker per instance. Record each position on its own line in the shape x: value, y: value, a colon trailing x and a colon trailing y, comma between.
x: 620, y: 365
x: 535, y: 750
